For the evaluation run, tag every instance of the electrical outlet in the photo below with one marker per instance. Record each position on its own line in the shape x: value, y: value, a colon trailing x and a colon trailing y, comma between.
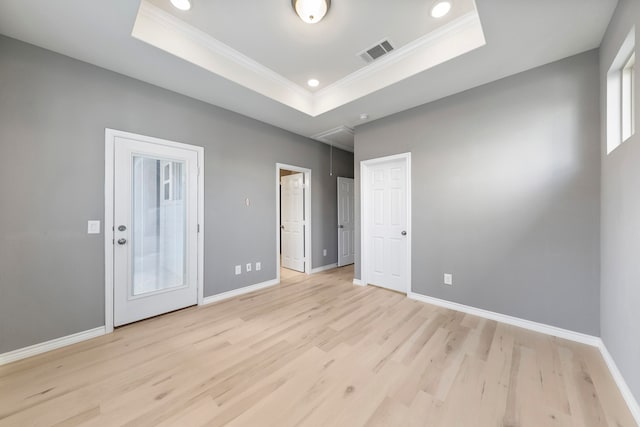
x: 324, y: 252
x: 448, y: 279
x: 238, y: 269
x: 93, y: 227
x: 248, y: 267
x: 258, y: 266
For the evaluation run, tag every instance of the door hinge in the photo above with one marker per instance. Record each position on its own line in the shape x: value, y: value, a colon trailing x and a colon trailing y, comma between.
x: 198, y: 228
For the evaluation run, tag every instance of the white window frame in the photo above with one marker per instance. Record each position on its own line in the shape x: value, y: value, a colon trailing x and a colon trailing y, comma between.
x: 621, y: 94
x: 628, y: 88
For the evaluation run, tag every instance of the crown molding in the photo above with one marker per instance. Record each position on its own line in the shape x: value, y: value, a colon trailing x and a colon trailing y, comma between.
x: 167, y: 32
x: 400, y: 53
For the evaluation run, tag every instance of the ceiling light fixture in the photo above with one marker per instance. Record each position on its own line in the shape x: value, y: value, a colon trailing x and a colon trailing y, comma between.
x: 181, y: 4
x: 313, y: 82
x: 311, y: 11
x: 440, y: 9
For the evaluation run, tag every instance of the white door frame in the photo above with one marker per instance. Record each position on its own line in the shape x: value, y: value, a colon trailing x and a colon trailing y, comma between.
x: 110, y: 136
x: 307, y: 215
x: 365, y: 213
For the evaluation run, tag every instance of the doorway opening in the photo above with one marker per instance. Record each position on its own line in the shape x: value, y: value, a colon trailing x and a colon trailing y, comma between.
x: 293, y: 219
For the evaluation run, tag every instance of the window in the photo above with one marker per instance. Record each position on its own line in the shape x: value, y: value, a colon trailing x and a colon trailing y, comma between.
x: 621, y: 94
x: 172, y: 178
x: 628, y: 98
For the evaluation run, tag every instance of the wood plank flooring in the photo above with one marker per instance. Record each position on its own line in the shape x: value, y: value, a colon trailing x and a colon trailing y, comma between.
x: 315, y: 351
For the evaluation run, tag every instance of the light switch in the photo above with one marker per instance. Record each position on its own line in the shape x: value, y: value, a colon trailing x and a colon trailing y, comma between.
x: 258, y: 266
x: 249, y: 267
x: 93, y: 227
x: 238, y: 269
x: 448, y: 279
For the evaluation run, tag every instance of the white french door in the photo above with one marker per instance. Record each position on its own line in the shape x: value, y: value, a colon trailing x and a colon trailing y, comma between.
x: 155, y: 235
x: 292, y: 221
x: 346, y: 225
x: 386, y: 225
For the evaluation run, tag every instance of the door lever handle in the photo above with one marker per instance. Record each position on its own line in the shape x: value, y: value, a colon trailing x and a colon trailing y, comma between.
x: 122, y: 241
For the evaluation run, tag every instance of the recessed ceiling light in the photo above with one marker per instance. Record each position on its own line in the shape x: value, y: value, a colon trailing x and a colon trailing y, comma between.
x: 313, y: 82
x: 181, y: 4
x: 364, y: 116
x: 440, y: 9
x: 311, y: 11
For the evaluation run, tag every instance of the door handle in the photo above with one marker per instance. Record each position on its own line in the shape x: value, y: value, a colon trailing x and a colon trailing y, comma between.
x: 122, y: 241
x: 404, y: 233
x: 341, y: 226
x: 282, y: 227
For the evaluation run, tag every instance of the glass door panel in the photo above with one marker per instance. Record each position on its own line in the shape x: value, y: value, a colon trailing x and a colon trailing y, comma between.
x: 158, y: 225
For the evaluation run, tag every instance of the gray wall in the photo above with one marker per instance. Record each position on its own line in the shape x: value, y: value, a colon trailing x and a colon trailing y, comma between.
x: 620, y: 283
x: 53, y: 113
x: 506, y: 193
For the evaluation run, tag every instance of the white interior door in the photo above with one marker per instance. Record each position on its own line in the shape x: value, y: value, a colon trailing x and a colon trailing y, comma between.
x: 387, y: 217
x: 346, y: 226
x: 155, y: 229
x: 292, y: 221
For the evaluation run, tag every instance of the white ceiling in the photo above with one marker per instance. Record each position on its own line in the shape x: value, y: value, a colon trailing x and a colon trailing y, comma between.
x: 520, y: 35
x: 328, y: 50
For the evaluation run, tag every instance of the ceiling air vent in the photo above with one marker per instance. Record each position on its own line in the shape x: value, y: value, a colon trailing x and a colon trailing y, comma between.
x: 375, y: 52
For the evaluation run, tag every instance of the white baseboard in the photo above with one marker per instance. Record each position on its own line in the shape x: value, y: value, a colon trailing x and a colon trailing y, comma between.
x: 358, y: 282
x: 23, y: 353
x: 324, y: 268
x: 236, y: 292
x: 510, y: 320
x: 628, y: 396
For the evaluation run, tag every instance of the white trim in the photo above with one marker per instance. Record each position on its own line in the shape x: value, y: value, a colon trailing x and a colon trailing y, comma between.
x: 510, y: 320
x: 324, y: 268
x: 237, y: 292
x: 364, y: 191
x: 307, y: 213
x: 591, y: 340
x: 628, y: 396
x: 33, y: 350
x: 173, y: 35
x: 396, y: 55
x: 358, y: 282
x: 110, y: 135
x: 161, y: 29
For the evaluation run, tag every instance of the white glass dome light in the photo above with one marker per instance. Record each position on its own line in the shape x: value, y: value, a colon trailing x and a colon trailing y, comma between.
x: 181, y: 4
x: 311, y: 11
x: 440, y: 9
x: 313, y: 82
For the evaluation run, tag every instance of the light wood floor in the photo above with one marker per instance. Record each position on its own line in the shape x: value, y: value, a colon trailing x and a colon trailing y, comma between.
x: 315, y: 351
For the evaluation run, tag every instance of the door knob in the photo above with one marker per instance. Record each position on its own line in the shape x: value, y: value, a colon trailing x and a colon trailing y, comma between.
x: 122, y: 241
x: 282, y: 227
x: 122, y: 228
x: 404, y: 233
x: 341, y: 226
